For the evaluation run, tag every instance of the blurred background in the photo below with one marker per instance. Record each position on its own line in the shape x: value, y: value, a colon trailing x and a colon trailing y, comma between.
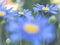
x: 28, y: 4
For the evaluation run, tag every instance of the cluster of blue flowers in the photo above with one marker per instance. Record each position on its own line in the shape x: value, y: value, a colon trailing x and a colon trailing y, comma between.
x: 22, y: 24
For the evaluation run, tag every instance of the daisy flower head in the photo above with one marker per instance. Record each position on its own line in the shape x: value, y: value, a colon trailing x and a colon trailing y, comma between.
x: 4, y: 12
x: 39, y: 29
x: 48, y: 8
x: 26, y: 13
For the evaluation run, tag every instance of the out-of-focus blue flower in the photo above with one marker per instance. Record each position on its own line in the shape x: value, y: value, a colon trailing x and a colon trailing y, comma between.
x: 25, y: 12
x: 4, y: 12
x: 51, y: 9
x: 39, y: 29
x: 35, y: 30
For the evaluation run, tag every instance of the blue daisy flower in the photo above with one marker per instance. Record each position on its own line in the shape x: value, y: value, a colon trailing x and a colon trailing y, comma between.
x: 37, y: 30
x: 5, y: 13
x: 25, y: 12
x: 48, y: 8
x: 52, y: 9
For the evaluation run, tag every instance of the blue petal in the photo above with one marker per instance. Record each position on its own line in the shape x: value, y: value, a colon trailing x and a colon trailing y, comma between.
x: 54, y: 8
x: 38, y: 6
x: 47, y: 5
x: 14, y: 37
x: 49, y: 33
x: 53, y: 12
x: 39, y: 17
x: 27, y: 12
x: 51, y: 6
x: 49, y: 28
x: 36, y: 9
x: 36, y: 42
x: 12, y: 27
x: 44, y: 23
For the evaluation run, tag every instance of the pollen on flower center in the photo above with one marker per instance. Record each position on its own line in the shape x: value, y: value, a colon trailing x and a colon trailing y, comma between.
x: 45, y: 8
x: 2, y: 13
x: 31, y: 28
x: 21, y: 13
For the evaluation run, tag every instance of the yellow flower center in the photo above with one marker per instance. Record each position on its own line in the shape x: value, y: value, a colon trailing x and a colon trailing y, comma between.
x: 21, y: 13
x: 2, y: 13
x: 31, y: 28
x: 45, y: 8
